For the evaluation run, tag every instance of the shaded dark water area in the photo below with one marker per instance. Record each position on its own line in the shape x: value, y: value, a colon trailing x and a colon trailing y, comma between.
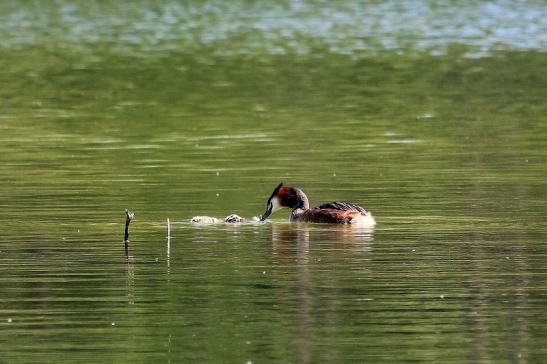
x: 444, y: 142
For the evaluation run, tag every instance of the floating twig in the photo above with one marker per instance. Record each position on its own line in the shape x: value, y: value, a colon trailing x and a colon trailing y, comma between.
x: 128, y: 218
x: 168, y: 243
x: 168, y: 238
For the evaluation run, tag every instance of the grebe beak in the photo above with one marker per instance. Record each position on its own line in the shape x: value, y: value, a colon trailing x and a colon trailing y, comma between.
x: 268, y: 212
x: 273, y: 206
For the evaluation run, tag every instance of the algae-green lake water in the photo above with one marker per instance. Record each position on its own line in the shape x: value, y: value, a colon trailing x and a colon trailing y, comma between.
x: 432, y: 115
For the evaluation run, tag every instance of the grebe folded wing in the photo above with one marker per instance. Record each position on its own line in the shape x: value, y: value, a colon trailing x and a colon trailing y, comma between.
x: 342, y: 206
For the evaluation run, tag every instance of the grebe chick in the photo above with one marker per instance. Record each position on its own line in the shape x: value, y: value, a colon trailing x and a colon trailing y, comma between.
x: 332, y: 212
x: 232, y: 218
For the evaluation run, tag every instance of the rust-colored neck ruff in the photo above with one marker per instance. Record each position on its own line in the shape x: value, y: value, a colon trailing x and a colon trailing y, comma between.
x: 293, y: 198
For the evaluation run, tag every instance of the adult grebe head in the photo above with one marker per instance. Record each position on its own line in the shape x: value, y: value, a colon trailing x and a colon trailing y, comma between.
x: 290, y: 197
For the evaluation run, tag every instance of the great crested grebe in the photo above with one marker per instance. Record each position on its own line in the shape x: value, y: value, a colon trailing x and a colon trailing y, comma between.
x: 332, y: 212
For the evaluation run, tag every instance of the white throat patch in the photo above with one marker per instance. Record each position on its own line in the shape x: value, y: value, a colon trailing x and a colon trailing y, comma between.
x: 275, y: 204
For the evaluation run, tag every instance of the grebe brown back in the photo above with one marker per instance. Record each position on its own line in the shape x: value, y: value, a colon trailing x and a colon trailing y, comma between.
x: 332, y: 212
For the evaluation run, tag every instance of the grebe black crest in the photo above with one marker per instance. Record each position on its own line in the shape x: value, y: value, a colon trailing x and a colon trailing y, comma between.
x: 332, y: 212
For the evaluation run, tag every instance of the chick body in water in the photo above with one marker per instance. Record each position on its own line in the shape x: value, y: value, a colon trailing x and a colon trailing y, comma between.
x: 232, y: 219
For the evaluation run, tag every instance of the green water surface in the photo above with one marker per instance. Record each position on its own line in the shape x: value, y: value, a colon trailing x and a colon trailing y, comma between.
x: 432, y: 116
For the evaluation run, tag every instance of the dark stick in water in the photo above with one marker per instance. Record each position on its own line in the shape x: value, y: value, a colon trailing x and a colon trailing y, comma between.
x: 128, y: 218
